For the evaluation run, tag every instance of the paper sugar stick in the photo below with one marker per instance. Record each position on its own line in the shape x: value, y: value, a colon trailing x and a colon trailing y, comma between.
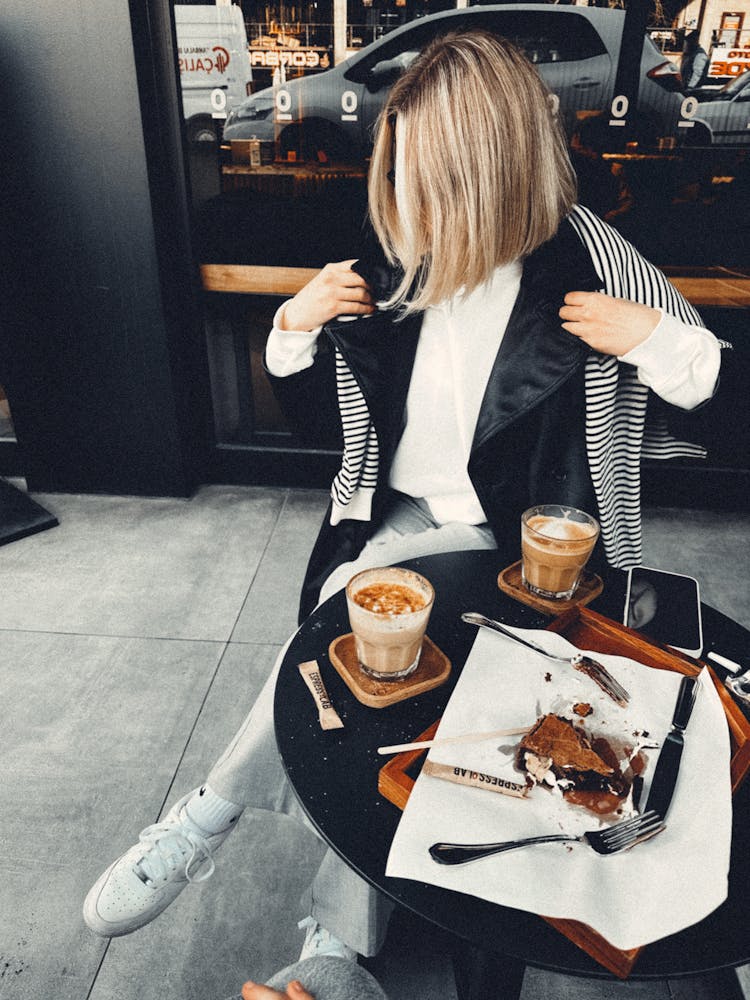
x: 327, y: 714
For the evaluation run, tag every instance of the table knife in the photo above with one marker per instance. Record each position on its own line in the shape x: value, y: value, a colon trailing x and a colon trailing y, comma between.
x: 668, y: 764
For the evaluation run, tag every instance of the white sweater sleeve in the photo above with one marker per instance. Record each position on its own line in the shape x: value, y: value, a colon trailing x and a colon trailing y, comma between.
x: 289, y: 351
x: 680, y: 362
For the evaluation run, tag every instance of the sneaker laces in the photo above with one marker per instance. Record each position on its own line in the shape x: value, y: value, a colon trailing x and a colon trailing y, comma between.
x: 310, y: 925
x: 317, y: 938
x: 165, y: 851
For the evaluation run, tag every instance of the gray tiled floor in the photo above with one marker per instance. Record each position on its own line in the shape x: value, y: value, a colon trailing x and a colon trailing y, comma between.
x: 133, y: 638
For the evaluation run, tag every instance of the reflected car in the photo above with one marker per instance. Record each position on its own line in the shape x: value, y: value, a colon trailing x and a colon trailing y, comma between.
x: 722, y: 117
x: 576, y: 50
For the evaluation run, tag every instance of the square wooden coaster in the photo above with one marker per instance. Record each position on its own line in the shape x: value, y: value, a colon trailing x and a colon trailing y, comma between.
x: 433, y: 668
x: 589, y: 586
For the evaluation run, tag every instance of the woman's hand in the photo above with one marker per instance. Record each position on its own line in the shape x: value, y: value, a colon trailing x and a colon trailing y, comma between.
x: 294, y: 991
x: 609, y: 325
x: 334, y: 291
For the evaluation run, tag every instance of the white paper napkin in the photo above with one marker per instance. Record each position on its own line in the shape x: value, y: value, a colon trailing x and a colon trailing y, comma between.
x: 660, y: 887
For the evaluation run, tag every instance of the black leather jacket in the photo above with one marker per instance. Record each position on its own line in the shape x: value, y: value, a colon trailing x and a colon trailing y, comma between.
x: 529, y: 444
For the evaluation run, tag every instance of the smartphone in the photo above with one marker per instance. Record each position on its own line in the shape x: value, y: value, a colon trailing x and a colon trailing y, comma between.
x: 666, y: 607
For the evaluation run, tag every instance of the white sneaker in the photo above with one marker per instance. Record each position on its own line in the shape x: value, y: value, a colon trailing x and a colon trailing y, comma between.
x: 148, y: 877
x: 319, y: 941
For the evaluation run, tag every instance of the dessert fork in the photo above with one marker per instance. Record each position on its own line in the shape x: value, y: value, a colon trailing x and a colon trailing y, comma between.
x: 595, y: 670
x: 611, y: 840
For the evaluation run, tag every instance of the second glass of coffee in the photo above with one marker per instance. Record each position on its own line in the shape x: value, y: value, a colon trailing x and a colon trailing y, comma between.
x: 556, y: 542
x: 388, y: 612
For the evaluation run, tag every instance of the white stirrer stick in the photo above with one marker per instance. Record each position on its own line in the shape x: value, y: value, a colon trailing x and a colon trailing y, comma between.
x: 465, y: 738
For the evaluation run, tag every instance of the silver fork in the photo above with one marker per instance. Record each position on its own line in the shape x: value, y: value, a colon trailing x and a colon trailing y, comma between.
x: 611, y: 840
x: 595, y: 670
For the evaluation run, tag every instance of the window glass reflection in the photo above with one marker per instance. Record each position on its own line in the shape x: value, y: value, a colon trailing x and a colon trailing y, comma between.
x: 289, y: 111
x: 280, y: 103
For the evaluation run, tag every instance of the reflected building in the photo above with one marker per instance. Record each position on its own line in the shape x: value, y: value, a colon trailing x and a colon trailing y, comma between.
x: 292, y: 39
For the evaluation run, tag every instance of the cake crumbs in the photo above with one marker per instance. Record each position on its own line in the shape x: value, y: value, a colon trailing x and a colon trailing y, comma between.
x: 583, y: 709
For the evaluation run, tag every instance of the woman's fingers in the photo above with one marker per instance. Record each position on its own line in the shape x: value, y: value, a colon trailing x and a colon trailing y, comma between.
x: 294, y: 991
x: 609, y: 325
x: 254, y: 991
x: 342, y: 270
x: 579, y: 298
x: 340, y: 277
x: 335, y: 291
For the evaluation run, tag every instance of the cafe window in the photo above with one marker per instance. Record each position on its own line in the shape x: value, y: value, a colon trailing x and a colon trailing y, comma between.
x: 280, y: 104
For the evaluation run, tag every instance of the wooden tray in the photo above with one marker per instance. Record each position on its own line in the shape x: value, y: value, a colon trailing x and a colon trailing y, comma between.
x: 589, y: 630
x: 589, y: 586
x: 432, y: 670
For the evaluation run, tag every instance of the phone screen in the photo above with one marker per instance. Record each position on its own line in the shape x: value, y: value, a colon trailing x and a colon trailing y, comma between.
x: 665, y: 607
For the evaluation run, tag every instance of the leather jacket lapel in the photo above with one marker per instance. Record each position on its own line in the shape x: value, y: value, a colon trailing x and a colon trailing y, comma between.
x: 536, y: 355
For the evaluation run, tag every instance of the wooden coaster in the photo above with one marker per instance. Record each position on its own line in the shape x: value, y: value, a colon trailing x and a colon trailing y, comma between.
x: 433, y: 668
x: 589, y: 586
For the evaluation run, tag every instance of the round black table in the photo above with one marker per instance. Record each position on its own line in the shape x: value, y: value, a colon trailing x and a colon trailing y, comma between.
x: 335, y: 776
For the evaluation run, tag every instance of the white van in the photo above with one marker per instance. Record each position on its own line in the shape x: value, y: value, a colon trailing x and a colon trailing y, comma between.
x: 214, y: 61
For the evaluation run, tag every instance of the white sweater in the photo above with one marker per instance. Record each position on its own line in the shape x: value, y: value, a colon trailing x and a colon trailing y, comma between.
x: 458, y: 343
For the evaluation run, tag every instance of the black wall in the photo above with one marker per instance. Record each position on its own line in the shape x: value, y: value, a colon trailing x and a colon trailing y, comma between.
x: 100, y: 341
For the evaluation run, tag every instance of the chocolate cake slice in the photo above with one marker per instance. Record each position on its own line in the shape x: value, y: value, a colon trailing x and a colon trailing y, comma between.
x: 557, y: 753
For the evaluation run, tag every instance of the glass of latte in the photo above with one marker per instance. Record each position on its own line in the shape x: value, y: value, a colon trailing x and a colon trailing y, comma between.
x: 388, y: 611
x: 556, y: 542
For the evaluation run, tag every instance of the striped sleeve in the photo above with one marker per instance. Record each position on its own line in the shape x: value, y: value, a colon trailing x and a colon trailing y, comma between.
x: 358, y: 475
x: 617, y: 434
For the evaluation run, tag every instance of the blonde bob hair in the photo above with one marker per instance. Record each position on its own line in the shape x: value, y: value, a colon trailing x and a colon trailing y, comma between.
x: 482, y: 174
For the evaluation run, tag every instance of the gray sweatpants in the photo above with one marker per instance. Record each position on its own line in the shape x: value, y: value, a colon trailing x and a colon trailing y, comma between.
x: 250, y: 772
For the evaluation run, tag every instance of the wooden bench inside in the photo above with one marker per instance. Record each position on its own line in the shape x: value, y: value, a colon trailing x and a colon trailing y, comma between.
x: 710, y: 287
